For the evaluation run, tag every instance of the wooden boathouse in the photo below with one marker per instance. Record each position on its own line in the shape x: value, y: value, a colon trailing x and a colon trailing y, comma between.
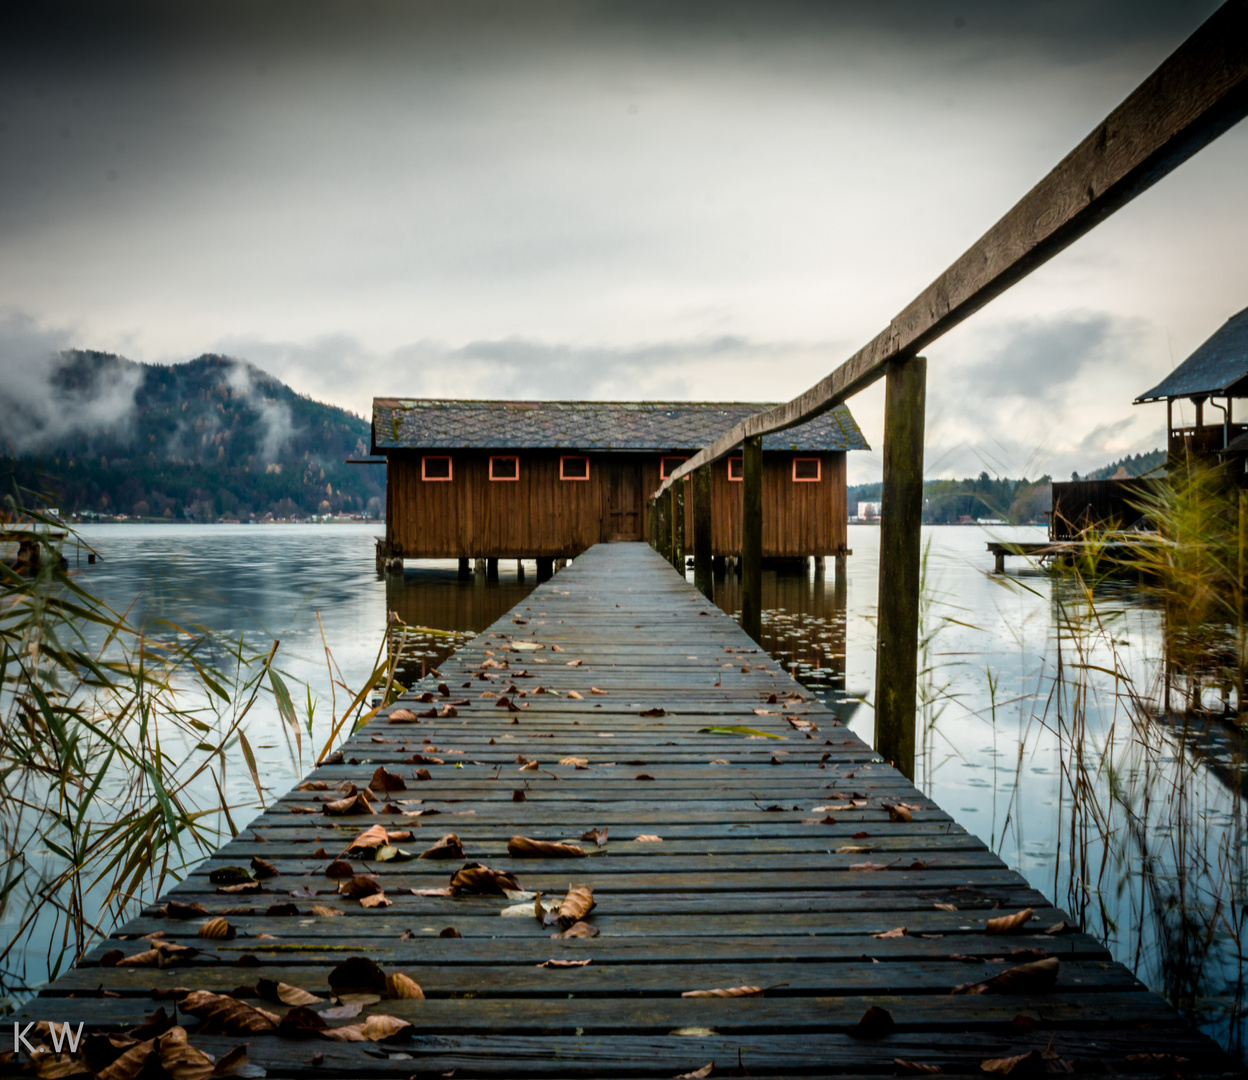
x: 549, y: 479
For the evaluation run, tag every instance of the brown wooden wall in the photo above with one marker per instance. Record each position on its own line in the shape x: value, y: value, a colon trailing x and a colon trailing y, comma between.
x: 472, y: 516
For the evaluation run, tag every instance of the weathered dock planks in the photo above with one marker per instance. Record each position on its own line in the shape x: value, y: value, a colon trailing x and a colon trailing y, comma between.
x: 753, y: 883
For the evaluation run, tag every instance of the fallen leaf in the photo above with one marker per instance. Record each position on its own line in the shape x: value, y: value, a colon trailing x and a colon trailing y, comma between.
x: 449, y: 847
x: 529, y: 767
x: 656, y: 711
x: 897, y: 931
x: 574, y: 663
x: 222, y: 1013
x: 369, y: 840
x: 352, y: 804
x: 1007, y: 1065
x: 595, y: 690
x: 444, y: 891
x: 579, y: 762
x: 598, y: 836
x: 521, y: 847
x: 402, y: 716
x: 720, y: 761
x: 917, y: 1067
x: 1057, y: 928
x: 162, y: 954
x: 576, y: 696
x: 286, y: 994
x: 578, y: 903
x: 897, y: 813
x: 694, y: 1032
x: 230, y: 875
x: 339, y: 868
x: 518, y: 796
x: 1007, y: 923
x: 875, y: 1023
x: 312, y: 785
x: 401, y: 986
x: 174, y: 909
x: 643, y: 776
x: 384, y: 780
x: 325, y: 912
x: 578, y: 930
x: 359, y: 886
x: 424, y: 774
x: 697, y: 1074
x: 375, y: 1029
x: 449, y: 932
x: 648, y: 838
x: 357, y: 975
x: 564, y: 963
x: 263, y: 869
x: 1039, y: 975
x: 378, y: 899
x: 728, y: 992
x: 868, y: 866
x: 218, y: 930
x: 479, y: 878
x: 945, y: 907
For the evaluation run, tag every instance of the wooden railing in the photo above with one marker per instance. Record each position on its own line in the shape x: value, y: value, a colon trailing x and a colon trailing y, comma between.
x: 1196, y: 94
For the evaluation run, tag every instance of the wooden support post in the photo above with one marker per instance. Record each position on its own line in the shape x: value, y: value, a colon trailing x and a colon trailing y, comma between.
x: 901, y: 519
x: 491, y: 569
x: 545, y: 568
x: 465, y: 572
x: 519, y: 569
x: 678, y: 525
x: 752, y: 537
x: 703, y: 579
x: 663, y: 514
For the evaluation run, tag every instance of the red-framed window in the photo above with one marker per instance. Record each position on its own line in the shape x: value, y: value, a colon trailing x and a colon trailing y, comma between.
x: 435, y: 467
x: 573, y: 467
x: 807, y: 470
x: 669, y: 465
x: 736, y: 469
x: 504, y: 467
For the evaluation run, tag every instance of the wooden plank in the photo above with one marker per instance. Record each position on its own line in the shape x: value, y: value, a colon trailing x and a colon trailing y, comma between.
x: 1198, y: 92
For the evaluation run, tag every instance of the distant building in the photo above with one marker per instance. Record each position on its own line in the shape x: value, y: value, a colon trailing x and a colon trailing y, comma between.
x: 540, y: 479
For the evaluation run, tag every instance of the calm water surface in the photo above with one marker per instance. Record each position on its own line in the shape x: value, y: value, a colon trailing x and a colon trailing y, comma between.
x: 1021, y: 751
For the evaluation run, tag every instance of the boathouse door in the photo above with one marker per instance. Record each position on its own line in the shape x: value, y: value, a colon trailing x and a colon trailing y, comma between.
x: 624, y: 500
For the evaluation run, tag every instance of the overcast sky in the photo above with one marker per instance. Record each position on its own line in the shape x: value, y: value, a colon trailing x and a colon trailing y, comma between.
x: 615, y: 200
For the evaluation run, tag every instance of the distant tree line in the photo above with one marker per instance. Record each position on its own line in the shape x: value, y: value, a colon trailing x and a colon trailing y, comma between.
x: 946, y: 502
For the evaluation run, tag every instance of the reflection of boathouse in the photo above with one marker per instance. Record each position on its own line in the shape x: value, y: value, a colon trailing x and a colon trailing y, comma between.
x: 548, y: 479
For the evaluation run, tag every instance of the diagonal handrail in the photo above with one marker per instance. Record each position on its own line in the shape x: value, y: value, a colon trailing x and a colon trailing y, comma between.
x: 1198, y: 92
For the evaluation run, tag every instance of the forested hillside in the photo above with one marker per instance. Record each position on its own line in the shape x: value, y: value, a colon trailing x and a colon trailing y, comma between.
x: 211, y: 438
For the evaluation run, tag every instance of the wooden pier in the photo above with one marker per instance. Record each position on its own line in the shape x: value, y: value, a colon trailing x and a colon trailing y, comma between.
x: 730, y: 861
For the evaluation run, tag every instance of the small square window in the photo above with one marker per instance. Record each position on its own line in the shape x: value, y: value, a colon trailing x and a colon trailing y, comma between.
x: 573, y: 468
x: 669, y: 465
x: 435, y: 468
x: 736, y: 469
x: 505, y: 467
x: 806, y: 470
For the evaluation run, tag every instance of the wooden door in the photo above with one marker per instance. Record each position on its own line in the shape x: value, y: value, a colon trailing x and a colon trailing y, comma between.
x: 624, y: 500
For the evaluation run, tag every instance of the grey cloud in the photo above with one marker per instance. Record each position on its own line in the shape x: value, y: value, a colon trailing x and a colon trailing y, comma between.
x: 40, y: 404
x: 274, y: 415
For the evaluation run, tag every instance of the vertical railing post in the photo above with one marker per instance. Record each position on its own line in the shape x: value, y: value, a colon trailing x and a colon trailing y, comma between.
x: 901, y: 519
x: 703, y: 578
x: 663, y: 506
x: 678, y: 525
x: 752, y: 537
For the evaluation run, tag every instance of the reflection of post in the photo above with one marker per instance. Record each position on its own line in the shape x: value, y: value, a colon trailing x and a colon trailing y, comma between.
x: 840, y: 605
x: 901, y: 518
x: 677, y: 491
x: 1241, y: 705
x: 702, y: 577
x: 752, y: 537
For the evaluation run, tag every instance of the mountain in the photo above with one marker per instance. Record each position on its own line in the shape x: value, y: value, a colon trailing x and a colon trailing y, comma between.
x: 201, y: 440
x: 1127, y: 466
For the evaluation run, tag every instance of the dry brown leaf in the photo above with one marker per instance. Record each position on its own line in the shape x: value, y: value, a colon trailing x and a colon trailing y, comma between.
x: 162, y: 954
x: 384, y: 780
x: 374, y: 1029
x: 918, y: 1067
x: 312, y: 785
x: 868, y: 866
x: 286, y: 994
x: 378, y: 899
x: 262, y: 868
x: 727, y: 992
x: 579, y: 762
x: 325, y: 912
x: 897, y: 931
x: 574, y: 663
x: 649, y: 838
x: 1007, y: 923
x: 656, y: 711
x: 294, y: 808
x: 1007, y: 1065
x: 875, y: 1023
x: 898, y: 812
x: 370, y: 839
x: 357, y: 975
x: 339, y: 868
x: 175, y: 909
x: 521, y: 847
x: 401, y: 986
x: 479, y: 878
x: 1039, y: 975
x: 578, y: 903
x: 449, y: 847
x: 444, y: 891
x: 402, y: 716
x: 575, y: 696
x: 529, y: 767
x: 598, y: 836
x: 945, y: 907
x: 578, y: 930
x: 359, y: 886
x: 697, y: 1074
x: 218, y: 930
x: 564, y: 963
x: 595, y: 690
x: 1057, y: 928
x: 222, y: 1013
x: 351, y: 804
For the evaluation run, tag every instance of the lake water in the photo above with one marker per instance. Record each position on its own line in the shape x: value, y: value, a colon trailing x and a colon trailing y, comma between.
x: 1020, y: 749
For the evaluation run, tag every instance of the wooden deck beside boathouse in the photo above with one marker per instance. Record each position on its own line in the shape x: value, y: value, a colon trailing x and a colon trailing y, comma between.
x: 777, y: 865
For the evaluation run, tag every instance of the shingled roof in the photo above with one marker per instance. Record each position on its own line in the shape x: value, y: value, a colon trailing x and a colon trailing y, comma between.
x: 1214, y: 368
x: 450, y: 424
